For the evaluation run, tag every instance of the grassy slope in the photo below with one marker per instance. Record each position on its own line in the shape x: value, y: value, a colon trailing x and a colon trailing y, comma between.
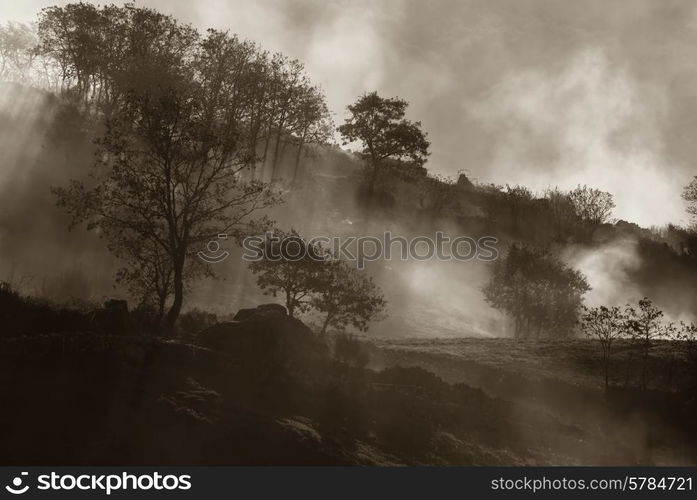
x: 556, y: 389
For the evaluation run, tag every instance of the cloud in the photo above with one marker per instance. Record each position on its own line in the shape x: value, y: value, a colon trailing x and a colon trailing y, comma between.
x: 608, y: 269
x: 588, y: 122
x: 448, y: 57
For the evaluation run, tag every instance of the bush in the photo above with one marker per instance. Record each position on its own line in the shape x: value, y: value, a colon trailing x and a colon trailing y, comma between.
x: 24, y: 315
x: 20, y: 315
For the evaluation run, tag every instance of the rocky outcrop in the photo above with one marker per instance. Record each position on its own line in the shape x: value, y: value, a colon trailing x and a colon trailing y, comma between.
x: 265, y: 333
x: 261, y: 310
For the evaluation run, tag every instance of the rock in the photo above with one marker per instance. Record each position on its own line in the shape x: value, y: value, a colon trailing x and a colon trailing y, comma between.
x: 261, y: 310
x: 301, y: 428
x: 273, y: 308
x: 244, y: 314
x: 267, y: 334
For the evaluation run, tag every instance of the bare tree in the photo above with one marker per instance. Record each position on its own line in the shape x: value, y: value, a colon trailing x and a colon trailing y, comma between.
x: 604, y: 324
x: 645, y: 327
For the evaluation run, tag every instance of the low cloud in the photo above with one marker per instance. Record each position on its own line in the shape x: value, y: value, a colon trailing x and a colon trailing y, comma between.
x: 587, y: 122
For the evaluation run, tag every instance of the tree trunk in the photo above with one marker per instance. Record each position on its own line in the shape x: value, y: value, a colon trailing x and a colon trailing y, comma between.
x: 290, y: 305
x: 644, y: 369
x: 606, y: 366
x: 276, y: 151
x: 371, y: 182
x: 298, y: 155
x: 326, y: 323
x: 175, y: 309
x: 267, y: 141
x: 160, y: 308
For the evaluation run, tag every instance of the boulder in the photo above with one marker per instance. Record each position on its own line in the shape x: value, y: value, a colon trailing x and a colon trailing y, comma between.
x: 244, y: 314
x: 266, y: 333
x: 272, y: 308
x: 261, y: 310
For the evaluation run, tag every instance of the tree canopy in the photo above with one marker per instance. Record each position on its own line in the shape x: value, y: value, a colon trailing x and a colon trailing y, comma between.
x: 380, y: 125
x: 187, y: 118
x: 307, y: 276
x: 540, y: 293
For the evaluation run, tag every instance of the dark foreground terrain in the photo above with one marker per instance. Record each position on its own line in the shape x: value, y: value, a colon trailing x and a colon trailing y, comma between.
x: 266, y: 390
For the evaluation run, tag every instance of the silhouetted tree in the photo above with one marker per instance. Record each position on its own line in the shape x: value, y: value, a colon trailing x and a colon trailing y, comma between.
x: 149, y: 274
x: 347, y: 297
x: 593, y: 206
x: 645, y: 327
x: 76, y: 36
x: 311, y: 123
x: 604, y: 324
x: 563, y: 213
x: 538, y: 291
x: 379, y: 124
x: 307, y: 277
x: 288, y: 82
x: 515, y: 199
x: 170, y: 162
x: 687, y: 334
x: 290, y: 266
x: 185, y: 117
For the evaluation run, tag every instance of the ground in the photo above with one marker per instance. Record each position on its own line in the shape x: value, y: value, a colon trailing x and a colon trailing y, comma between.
x: 267, y: 391
x: 561, y: 383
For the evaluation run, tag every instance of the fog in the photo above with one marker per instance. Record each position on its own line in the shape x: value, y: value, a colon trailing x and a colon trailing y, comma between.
x: 608, y: 269
x: 538, y: 92
x: 588, y: 122
x: 44, y: 146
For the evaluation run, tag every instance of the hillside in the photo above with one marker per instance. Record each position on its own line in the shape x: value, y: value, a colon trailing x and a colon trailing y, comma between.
x: 268, y: 393
x: 264, y: 389
x: 563, y: 382
x: 49, y: 143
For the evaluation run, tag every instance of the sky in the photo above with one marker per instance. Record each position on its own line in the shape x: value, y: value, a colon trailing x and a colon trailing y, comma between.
x: 537, y: 92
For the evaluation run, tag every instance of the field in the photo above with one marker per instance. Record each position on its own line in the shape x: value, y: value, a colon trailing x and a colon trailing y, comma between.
x: 575, y: 362
x: 556, y: 388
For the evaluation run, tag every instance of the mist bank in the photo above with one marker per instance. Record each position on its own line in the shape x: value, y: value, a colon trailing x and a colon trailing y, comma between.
x: 46, y: 142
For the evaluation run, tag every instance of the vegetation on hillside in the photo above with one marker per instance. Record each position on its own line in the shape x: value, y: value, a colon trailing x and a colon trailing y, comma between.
x: 198, y: 136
